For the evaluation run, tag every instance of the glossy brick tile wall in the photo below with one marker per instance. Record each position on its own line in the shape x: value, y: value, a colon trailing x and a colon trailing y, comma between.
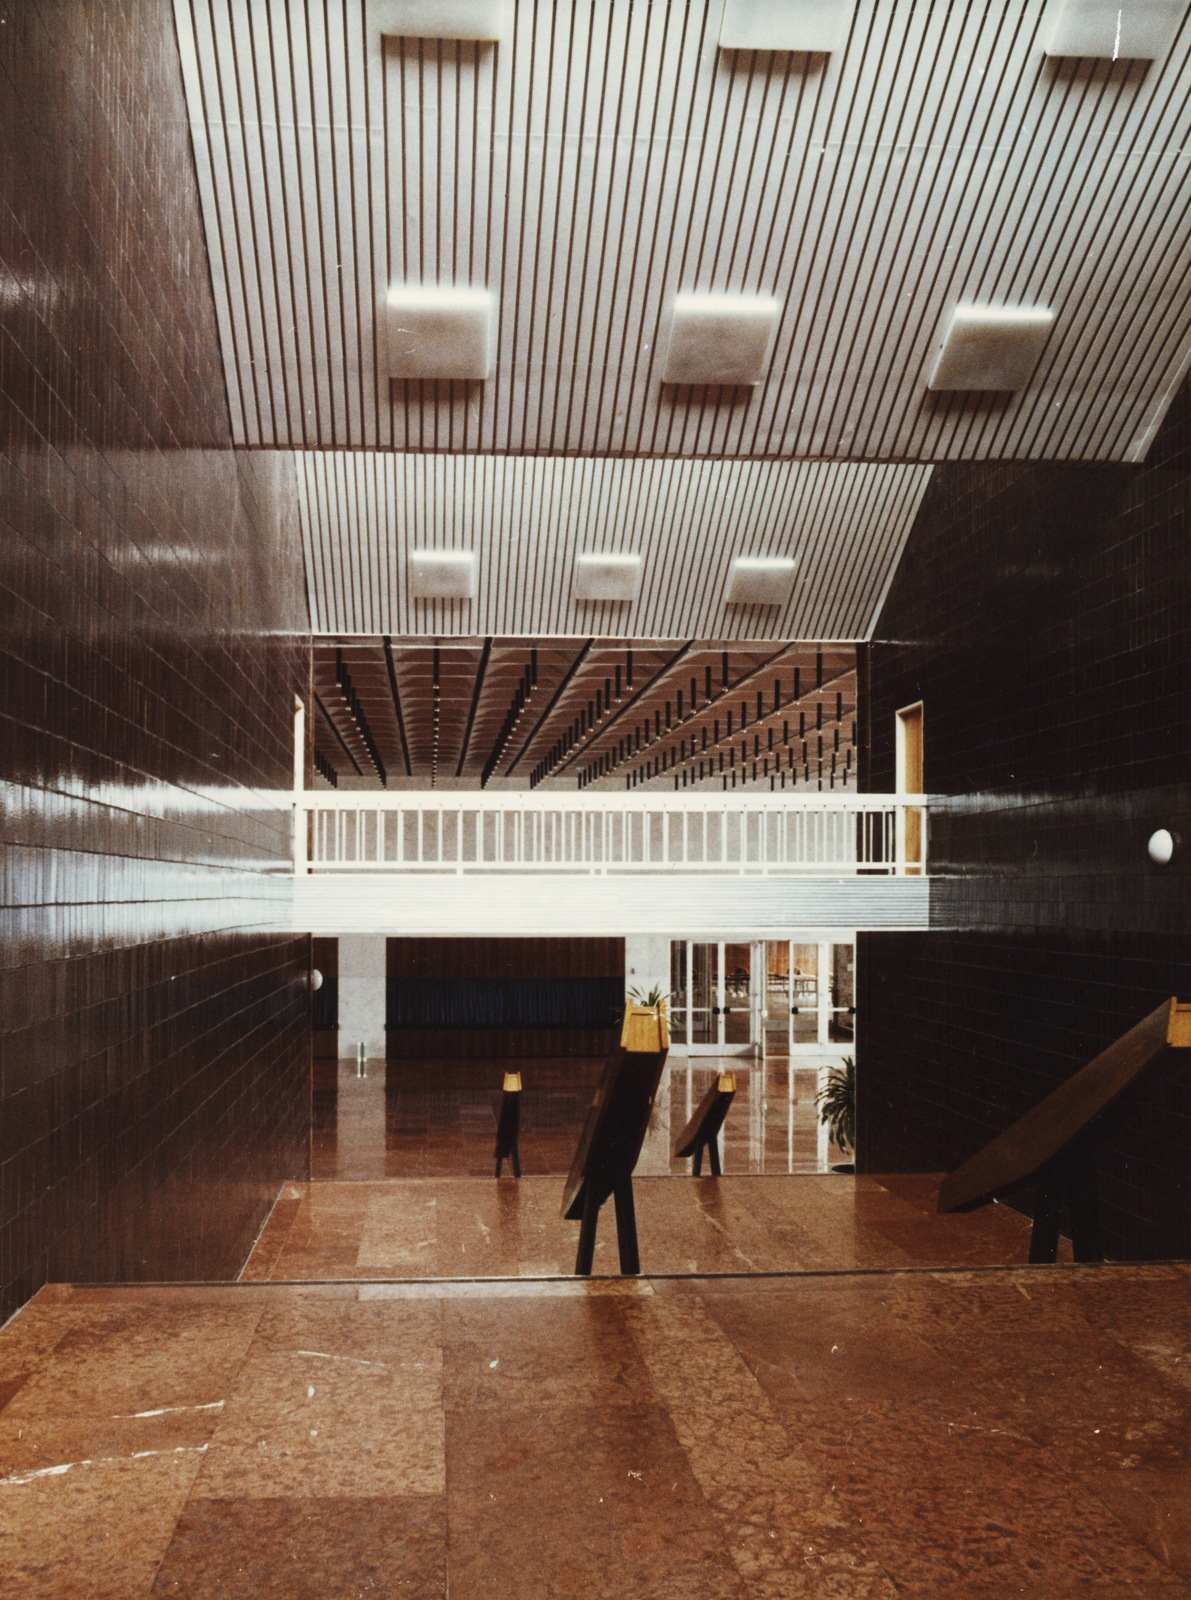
x: 154, y: 1074
x: 1043, y: 616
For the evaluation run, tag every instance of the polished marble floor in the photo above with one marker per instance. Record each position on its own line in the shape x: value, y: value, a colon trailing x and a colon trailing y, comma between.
x: 477, y: 1227
x: 823, y: 1390
x: 404, y: 1185
x: 929, y: 1436
x: 436, y: 1119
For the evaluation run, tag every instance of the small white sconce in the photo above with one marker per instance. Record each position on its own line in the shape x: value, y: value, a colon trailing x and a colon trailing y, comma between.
x: 1161, y: 847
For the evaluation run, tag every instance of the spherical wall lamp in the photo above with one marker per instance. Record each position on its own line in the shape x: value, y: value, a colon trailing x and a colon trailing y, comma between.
x: 1162, y: 846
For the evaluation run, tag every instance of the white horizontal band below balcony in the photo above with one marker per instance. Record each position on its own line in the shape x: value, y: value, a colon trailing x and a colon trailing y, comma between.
x: 677, y: 906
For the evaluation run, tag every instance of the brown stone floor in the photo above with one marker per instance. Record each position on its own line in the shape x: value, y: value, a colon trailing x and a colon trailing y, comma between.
x: 477, y: 1227
x: 404, y: 1185
x: 951, y: 1435
x: 849, y: 1412
x: 418, y: 1119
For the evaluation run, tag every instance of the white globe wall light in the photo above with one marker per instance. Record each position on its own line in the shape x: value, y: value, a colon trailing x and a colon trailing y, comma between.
x: 1161, y: 847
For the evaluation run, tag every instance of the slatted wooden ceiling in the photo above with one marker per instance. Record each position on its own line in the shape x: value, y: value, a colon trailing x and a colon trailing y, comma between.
x: 649, y: 713
x: 608, y: 155
x: 363, y: 512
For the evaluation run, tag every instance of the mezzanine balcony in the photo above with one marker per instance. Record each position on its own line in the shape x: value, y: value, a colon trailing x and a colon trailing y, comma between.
x: 473, y: 862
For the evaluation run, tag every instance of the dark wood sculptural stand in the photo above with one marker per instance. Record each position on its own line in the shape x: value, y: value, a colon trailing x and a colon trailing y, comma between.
x: 611, y: 1141
x: 508, y: 1125
x: 703, y: 1130
x: 1056, y: 1144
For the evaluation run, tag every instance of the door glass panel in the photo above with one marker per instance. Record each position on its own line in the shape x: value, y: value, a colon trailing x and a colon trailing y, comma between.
x: 737, y: 994
x: 804, y: 994
x: 777, y: 995
x: 677, y: 1005
x: 705, y: 961
x: 840, y: 1028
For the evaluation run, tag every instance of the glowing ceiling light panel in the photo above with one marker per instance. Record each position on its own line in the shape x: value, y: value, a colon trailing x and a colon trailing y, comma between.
x: 991, y: 348
x: 440, y: 333
x: 760, y: 581
x: 814, y: 26
x: 440, y: 19
x: 1113, y: 30
x: 720, y: 338
x: 600, y: 576
x: 443, y: 574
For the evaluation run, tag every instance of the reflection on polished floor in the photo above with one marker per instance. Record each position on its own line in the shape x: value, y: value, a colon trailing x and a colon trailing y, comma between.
x: 429, y: 1228
x: 789, y: 1407
x: 897, y: 1436
x: 436, y: 1119
x: 404, y: 1186
x: 824, y: 1389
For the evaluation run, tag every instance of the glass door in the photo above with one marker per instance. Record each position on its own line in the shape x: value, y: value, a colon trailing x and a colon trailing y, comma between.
x: 714, y: 1003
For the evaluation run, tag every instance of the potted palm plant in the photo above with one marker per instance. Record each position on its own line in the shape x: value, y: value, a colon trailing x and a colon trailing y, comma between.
x: 837, y: 1108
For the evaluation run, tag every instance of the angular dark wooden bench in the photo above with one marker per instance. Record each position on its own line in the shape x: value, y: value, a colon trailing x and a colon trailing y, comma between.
x: 508, y: 1125
x: 612, y: 1136
x: 702, y: 1131
x: 1055, y: 1145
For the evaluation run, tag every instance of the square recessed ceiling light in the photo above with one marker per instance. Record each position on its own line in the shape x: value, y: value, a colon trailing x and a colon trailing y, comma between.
x: 720, y: 338
x: 1112, y: 30
x: 440, y: 333
x: 440, y: 19
x: 443, y: 574
x: 607, y: 577
x: 760, y: 581
x: 991, y: 347
x: 813, y: 26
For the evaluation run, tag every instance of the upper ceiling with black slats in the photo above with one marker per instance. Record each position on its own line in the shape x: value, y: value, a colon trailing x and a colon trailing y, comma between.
x: 608, y: 155
x: 614, y: 713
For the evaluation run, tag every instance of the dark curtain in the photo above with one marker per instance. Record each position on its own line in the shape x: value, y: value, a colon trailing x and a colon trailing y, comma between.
x: 504, y: 1002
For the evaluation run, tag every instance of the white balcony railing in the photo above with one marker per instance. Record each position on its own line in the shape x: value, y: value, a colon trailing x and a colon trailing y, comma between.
x: 823, y: 835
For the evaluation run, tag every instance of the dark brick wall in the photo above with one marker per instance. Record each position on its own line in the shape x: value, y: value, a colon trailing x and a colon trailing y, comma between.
x: 1043, y: 615
x: 153, y: 1028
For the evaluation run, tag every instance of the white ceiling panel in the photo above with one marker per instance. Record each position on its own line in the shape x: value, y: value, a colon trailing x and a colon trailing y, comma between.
x: 526, y: 518
x: 607, y: 155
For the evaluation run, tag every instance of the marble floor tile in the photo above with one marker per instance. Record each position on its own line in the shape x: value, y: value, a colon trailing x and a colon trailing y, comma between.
x: 1154, y: 1504
x: 986, y: 1488
x: 852, y: 1435
x: 524, y: 1354
x: 438, y: 1119
x: 300, y: 1423
x: 273, y: 1235
x: 132, y: 1357
x: 587, y: 1505
x: 93, y: 1526
x: 779, y: 1518
x: 567, y: 1478
x: 307, y: 1548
